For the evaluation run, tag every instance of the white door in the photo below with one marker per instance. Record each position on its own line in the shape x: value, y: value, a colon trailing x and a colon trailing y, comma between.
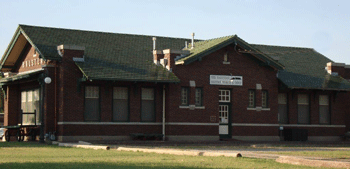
x: 224, y: 111
x: 223, y: 117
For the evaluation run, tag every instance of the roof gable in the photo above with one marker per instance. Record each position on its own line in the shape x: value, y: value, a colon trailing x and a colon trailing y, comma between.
x: 203, y: 48
x: 110, y: 56
x: 304, y: 68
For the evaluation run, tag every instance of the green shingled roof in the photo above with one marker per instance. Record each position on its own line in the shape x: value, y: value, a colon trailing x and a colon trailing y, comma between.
x: 108, y: 56
x: 304, y: 68
x: 203, y: 48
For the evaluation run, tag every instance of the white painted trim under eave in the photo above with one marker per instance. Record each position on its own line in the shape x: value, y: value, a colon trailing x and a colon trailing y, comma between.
x: 108, y: 123
x: 284, y: 125
x: 138, y: 123
x: 197, y: 124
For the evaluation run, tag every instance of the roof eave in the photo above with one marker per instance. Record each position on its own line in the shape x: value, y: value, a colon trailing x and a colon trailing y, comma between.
x: 135, y: 80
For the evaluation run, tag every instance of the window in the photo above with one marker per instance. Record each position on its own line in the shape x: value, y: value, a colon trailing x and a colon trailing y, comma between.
x: 199, y: 98
x: 264, y: 99
x: 282, y: 108
x: 324, y: 109
x: 184, y: 96
x: 30, y: 103
x: 147, y: 105
x: 224, y: 96
x: 120, y: 104
x: 303, y: 109
x: 92, y: 103
x: 251, y: 98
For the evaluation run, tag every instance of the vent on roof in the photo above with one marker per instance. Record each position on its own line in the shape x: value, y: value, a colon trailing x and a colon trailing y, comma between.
x: 154, y: 43
x: 192, y: 44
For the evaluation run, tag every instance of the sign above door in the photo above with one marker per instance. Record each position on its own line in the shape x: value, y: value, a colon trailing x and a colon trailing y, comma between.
x: 226, y: 80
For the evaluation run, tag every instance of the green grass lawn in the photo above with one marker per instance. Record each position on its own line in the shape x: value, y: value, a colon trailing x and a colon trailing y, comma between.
x: 35, y: 155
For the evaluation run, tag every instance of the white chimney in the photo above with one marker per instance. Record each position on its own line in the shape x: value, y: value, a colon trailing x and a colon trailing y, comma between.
x: 154, y: 43
x: 192, y: 45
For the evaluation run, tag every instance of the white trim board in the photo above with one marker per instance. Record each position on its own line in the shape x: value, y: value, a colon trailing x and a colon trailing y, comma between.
x: 197, y: 124
x: 138, y: 123
x: 284, y: 125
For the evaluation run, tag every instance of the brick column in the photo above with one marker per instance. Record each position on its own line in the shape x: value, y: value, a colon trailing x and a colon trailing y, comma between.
x: 12, y: 105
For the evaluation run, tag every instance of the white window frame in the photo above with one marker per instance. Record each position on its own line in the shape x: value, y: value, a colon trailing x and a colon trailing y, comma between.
x: 223, y: 95
x: 251, y: 98
x: 199, y: 98
x: 185, y: 96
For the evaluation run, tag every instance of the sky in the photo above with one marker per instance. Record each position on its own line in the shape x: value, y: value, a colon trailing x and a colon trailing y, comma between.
x: 320, y: 24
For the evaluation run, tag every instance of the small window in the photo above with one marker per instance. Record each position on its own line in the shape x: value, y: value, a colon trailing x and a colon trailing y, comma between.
x: 325, y: 116
x: 199, y: 98
x: 251, y: 98
x: 224, y: 96
x: 264, y: 99
x: 147, y: 105
x: 225, y: 57
x: 184, y: 96
x: 92, y: 103
x: 34, y: 55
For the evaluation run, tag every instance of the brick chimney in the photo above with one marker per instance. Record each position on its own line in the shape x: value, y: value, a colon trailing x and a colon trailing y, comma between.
x: 170, y: 55
x: 157, y: 55
x: 71, y: 52
x: 340, y: 69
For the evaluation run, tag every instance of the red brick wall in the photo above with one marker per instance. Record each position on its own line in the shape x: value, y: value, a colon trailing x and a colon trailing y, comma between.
x: 29, y: 62
x: 11, y: 106
x: 240, y: 65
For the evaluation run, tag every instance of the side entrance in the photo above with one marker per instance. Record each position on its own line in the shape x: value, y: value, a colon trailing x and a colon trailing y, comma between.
x: 224, y: 113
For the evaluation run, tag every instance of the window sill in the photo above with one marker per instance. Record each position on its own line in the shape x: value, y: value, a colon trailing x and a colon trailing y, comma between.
x: 258, y: 108
x: 192, y: 107
x: 225, y: 63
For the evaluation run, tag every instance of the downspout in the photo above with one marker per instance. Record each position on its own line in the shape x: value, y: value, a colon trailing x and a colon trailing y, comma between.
x: 163, y: 124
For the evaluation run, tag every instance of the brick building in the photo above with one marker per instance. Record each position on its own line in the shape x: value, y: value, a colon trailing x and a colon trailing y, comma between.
x: 106, y: 86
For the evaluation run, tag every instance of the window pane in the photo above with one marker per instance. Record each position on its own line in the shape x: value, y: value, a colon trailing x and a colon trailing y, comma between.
x: 251, y: 98
x: 323, y: 100
x: 303, y: 109
x: 324, y: 109
x: 198, y: 97
x: 120, y: 110
x: 282, y: 114
x: 147, y: 114
x: 147, y: 94
x: 147, y: 105
x: 324, y: 115
x: 184, y: 96
x: 120, y: 104
x: 91, y: 92
x: 91, y: 109
x: 303, y: 114
x: 264, y: 99
x: 282, y: 98
x: 37, y: 105
x: 120, y: 93
x: 303, y: 99
x: 224, y: 96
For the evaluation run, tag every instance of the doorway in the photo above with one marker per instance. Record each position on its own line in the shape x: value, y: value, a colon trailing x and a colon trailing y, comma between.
x: 224, y: 113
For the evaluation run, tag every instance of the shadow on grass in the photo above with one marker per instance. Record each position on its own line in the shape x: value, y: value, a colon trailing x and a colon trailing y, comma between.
x: 83, y: 165
x: 25, y: 144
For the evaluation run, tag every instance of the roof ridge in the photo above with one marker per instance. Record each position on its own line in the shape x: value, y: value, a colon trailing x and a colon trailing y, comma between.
x: 295, y: 47
x: 90, y: 31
